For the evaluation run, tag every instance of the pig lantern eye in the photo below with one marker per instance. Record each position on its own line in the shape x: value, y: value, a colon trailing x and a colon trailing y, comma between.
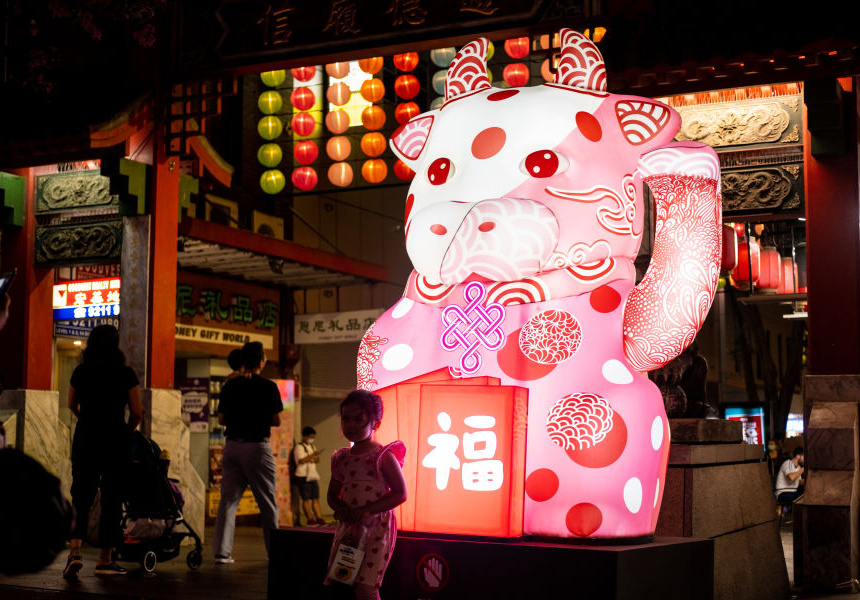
x: 439, y: 171
x: 543, y: 163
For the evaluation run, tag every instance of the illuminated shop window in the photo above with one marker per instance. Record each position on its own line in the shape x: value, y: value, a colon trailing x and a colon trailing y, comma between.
x: 356, y: 103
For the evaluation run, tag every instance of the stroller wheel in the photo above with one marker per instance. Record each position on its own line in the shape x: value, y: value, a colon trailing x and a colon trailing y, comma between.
x: 194, y: 559
x: 149, y: 561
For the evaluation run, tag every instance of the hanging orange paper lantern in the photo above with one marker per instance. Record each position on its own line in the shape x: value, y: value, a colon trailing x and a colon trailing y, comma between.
x: 306, y: 152
x: 338, y: 70
x: 405, y: 111
x: 338, y: 148
x: 516, y: 74
x: 402, y: 171
x: 374, y: 170
x: 272, y: 181
x: 517, y: 47
x: 305, y: 178
x: 407, y: 86
x: 372, y: 90
x: 304, y: 74
x: 373, y: 144
x: 340, y: 174
x: 303, y: 98
x: 371, y: 66
x: 545, y: 72
x: 373, y: 118
x: 338, y: 94
x: 771, y: 270
x: 406, y: 61
x: 303, y: 124
x: 337, y: 121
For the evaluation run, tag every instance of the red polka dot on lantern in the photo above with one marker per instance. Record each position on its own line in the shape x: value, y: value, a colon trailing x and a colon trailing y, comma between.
x: 305, y: 178
x: 605, y: 299
x: 541, y: 484
x: 371, y: 66
x: 303, y: 124
x: 406, y: 111
x: 337, y: 121
x: 403, y: 172
x: 372, y: 90
x: 374, y: 170
x: 406, y: 61
x: 338, y: 70
x: 583, y: 519
x: 407, y: 86
x: 517, y: 47
x: 306, y: 152
x: 373, y: 118
x: 304, y: 74
x: 303, y: 98
x: 516, y: 75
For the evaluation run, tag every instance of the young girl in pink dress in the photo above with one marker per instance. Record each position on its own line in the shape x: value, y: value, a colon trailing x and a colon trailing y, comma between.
x: 366, y: 484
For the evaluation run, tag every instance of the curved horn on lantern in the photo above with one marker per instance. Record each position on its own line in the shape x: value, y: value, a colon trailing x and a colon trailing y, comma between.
x: 468, y: 71
x: 581, y: 64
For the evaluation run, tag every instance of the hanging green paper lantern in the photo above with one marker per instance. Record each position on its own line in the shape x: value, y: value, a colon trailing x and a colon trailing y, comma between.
x: 272, y: 181
x: 270, y: 155
x: 273, y: 78
x: 270, y: 127
x: 270, y: 102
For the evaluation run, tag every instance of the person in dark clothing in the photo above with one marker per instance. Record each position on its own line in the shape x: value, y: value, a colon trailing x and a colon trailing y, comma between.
x: 100, y: 390
x: 248, y: 408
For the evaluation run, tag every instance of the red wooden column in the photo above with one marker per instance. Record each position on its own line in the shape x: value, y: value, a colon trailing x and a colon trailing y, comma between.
x: 26, y: 343
x: 161, y: 344
x: 833, y: 253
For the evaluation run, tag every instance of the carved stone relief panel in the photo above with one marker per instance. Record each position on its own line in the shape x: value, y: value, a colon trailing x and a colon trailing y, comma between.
x: 765, y: 188
x: 83, y: 242
x: 70, y: 191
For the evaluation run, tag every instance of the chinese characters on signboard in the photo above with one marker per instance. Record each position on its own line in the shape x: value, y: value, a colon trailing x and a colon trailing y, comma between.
x: 328, y: 328
x: 86, y: 299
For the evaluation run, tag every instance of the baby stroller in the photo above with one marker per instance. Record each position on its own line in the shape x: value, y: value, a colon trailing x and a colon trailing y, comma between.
x: 153, y: 510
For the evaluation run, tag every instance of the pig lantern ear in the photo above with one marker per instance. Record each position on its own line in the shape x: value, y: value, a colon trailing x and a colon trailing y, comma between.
x: 408, y: 141
x: 581, y: 64
x: 468, y: 71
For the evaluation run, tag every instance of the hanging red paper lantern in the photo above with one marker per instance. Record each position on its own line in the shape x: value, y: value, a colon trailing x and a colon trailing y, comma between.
x: 304, y: 74
x: 407, y: 86
x: 374, y: 170
x: 338, y: 94
x: 771, y: 270
x: 303, y: 124
x: 406, y: 61
x: 748, y: 255
x: 788, y: 285
x: 338, y: 70
x: 405, y: 111
x: 517, y: 47
x: 516, y: 74
x: 338, y: 148
x: 371, y: 66
x: 303, y: 98
x: 402, y: 171
x: 740, y: 229
x: 337, y: 121
x: 372, y: 90
x: 306, y: 152
x: 340, y: 174
x: 373, y: 118
x: 305, y: 178
x: 730, y: 250
x: 373, y: 144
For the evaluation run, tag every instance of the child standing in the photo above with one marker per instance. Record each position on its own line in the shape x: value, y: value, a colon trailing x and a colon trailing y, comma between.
x: 366, y: 484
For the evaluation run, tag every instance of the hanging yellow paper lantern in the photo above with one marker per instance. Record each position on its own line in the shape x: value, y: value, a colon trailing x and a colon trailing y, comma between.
x: 371, y: 66
x: 491, y: 50
x: 270, y: 102
x: 272, y: 181
x: 273, y: 78
x: 372, y: 90
x: 373, y: 144
x: 374, y: 170
x: 338, y: 94
x: 270, y: 155
x: 373, y: 118
x: 340, y: 174
x: 337, y: 121
x: 270, y: 127
x: 337, y: 70
x: 338, y: 148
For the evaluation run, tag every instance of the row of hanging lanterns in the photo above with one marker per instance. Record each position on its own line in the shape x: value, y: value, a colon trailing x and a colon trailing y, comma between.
x: 771, y: 273
x: 270, y: 127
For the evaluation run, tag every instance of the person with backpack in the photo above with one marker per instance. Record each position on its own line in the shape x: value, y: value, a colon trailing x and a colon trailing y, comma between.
x: 307, y: 477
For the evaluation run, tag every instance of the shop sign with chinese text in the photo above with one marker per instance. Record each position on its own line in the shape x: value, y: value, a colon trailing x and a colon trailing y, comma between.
x: 330, y: 328
x: 90, y: 298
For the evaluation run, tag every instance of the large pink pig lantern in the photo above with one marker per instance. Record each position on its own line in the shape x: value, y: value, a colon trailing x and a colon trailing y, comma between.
x: 522, y: 223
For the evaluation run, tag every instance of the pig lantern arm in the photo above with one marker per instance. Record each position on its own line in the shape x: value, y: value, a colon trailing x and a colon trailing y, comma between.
x: 668, y: 307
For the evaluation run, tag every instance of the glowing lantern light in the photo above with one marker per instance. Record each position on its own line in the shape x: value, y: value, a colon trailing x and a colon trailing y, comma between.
x: 270, y: 155
x: 270, y: 102
x: 730, y: 250
x: 517, y: 47
x: 338, y: 148
x: 771, y: 270
x: 491, y: 51
x: 442, y: 57
x: 405, y: 111
x: 372, y: 90
x: 788, y: 285
x: 338, y: 94
x: 270, y: 127
x: 303, y: 98
x: 406, y: 61
x: 303, y: 124
x: 340, y: 174
x: 305, y: 178
x: 741, y: 229
x: 338, y: 70
x: 545, y: 72
x: 373, y: 118
x: 439, y: 82
x: 273, y: 78
x: 490, y: 74
x: 407, y: 86
x: 516, y: 75
x: 272, y: 181
x: 304, y: 74
x: 374, y: 170
x: 373, y: 144
x: 748, y: 255
x: 337, y: 121
x: 402, y: 171
x: 371, y: 66
x: 306, y: 152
